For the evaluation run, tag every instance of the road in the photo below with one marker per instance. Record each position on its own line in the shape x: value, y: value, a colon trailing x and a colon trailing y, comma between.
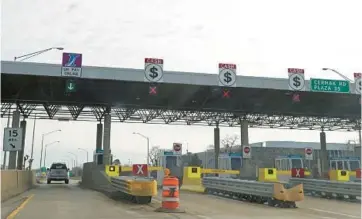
x: 59, y: 201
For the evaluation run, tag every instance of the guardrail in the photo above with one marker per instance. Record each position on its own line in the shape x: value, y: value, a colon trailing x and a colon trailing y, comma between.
x: 136, y: 189
x: 254, y: 191
x: 327, y: 188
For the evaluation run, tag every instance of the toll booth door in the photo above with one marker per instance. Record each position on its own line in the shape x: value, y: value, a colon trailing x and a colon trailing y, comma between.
x: 173, y: 163
x: 236, y: 163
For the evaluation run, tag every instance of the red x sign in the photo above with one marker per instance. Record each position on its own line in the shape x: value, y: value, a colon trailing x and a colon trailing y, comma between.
x: 225, y: 93
x: 296, y: 98
x: 140, y: 170
x: 153, y: 90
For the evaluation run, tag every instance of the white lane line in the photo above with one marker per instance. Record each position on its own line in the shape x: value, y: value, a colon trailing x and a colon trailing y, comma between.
x: 336, y: 213
x: 203, y: 216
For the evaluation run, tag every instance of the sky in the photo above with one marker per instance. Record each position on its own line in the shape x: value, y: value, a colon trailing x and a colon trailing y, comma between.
x: 263, y: 38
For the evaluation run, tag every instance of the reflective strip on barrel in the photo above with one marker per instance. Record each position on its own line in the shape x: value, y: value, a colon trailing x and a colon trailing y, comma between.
x: 170, y: 193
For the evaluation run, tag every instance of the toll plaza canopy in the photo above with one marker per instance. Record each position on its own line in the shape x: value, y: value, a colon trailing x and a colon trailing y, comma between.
x: 182, y: 96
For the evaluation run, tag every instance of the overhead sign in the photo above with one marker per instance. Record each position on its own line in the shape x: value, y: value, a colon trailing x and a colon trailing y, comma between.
x: 72, y: 65
x: 246, y: 152
x: 308, y: 153
x: 296, y: 79
x: 70, y: 86
x: 140, y: 170
x: 357, y: 83
x: 12, y: 139
x: 153, y: 70
x: 227, y: 75
x: 177, y: 148
x: 331, y: 86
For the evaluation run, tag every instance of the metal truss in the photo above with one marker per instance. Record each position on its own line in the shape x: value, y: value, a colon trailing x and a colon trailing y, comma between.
x: 179, y: 117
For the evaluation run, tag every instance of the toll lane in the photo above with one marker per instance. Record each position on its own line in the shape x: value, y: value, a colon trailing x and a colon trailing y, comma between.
x: 214, y: 207
x: 59, y: 201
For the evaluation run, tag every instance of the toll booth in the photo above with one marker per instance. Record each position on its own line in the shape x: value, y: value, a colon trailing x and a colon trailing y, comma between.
x: 230, y: 161
x: 284, y: 165
x: 351, y: 164
x: 168, y: 159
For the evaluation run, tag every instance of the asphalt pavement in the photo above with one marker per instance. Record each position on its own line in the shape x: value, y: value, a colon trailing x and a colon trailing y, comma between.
x: 59, y: 201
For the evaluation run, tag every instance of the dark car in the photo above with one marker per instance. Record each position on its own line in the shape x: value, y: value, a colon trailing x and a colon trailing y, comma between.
x: 58, y: 172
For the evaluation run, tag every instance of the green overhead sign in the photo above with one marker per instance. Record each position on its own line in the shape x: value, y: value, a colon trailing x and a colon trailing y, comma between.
x: 70, y: 86
x: 330, y: 86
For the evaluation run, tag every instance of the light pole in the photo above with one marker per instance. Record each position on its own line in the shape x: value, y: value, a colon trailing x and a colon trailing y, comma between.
x: 32, y: 145
x: 85, y: 151
x: 42, y: 144
x: 148, y: 146
x: 46, y: 146
x: 71, y: 161
x: 29, y: 55
x: 347, y: 79
x: 76, y: 158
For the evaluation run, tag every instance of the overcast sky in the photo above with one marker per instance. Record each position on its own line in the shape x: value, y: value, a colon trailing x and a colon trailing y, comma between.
x: 263, y: 38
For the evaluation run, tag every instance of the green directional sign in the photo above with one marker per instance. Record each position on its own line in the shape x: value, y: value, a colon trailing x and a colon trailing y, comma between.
x: 326, y: 85
x: 70, y: 86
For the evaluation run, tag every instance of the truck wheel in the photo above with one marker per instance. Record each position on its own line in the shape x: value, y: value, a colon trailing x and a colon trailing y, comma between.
x: 67, y: 181
x: 49, y: 181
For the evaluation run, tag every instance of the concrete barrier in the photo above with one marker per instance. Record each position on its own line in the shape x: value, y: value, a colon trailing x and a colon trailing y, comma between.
x: 15, y: 182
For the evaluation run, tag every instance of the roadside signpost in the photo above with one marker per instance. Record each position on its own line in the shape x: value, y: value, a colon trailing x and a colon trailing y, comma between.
x: 308, y: 153
x: 329, y: 86
x: 247, y: 152
x: 177, y: 148
x: 296, y: 79
x: 72, y: 65
x: 227, y: 75
x: 12, y: 139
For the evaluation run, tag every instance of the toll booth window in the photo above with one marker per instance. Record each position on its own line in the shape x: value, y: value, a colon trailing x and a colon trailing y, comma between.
x: 340, y: 165
x: 297, y: 163
x: 354, y: 164
x: 285, y: 164
x: 333, y: 165
x: 277, y: 164
x: 171, y: 162
x: 343, y: 173
x: 235, y: 163
x: 194, y: 170
x: 346, y: 166
x: 270, y: 171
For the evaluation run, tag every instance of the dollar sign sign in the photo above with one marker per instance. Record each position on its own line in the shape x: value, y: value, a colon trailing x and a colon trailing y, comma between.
x: 154, y: 73
x: 296, y: 82
x: 227, y: 76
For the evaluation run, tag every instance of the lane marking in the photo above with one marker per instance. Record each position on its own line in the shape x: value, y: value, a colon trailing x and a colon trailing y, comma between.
x: 336, y: 213
x: 203, y: 217
x: 20, y: 207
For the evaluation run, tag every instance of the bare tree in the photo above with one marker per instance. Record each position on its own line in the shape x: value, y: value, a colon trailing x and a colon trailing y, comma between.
x: 153, y: 155
x: 210, y: 147
x: 229, y: 141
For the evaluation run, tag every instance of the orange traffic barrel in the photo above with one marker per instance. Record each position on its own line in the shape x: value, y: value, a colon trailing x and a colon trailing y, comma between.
x: 170, y: 193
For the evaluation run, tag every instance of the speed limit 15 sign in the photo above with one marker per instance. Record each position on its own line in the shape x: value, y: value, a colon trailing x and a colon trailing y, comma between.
x: 12, y: 139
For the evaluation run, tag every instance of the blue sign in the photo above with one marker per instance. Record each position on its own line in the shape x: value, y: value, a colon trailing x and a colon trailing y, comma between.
x: 235, y: 154
x: 168, y: 153
x: 99, y: 151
